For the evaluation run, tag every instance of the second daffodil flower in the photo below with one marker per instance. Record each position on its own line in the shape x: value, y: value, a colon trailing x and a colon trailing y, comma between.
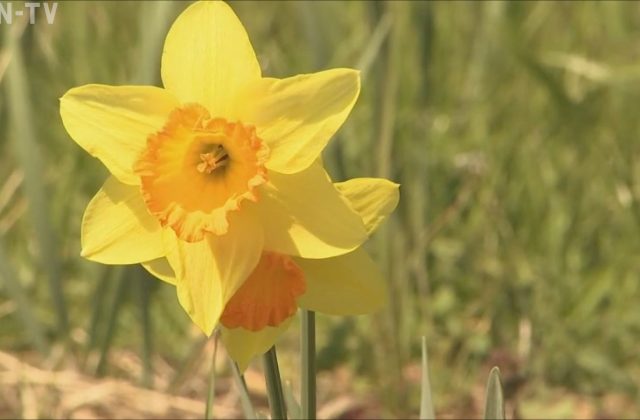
x: 218, y: 172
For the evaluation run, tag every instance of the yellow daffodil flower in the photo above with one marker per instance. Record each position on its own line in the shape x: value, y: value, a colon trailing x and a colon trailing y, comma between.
x: 264, y: 306
x: 216, y: 167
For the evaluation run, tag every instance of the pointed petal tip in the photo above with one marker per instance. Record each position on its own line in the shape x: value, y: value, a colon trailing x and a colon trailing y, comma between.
x: 89, y: 254
x: 206, y: 324
x: 225, y: 60
x: 242, y: 365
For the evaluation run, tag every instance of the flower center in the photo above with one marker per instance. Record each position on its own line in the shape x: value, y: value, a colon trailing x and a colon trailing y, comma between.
x: 213, y: 160
x: 197, y: 169
x: 268, y: 296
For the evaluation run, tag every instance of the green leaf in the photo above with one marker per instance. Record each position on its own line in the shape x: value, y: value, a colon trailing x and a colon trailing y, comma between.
x: 24, y: 306
x: 145, y: 285
x: 494, y: 402
x: 121, y: 275
x: 426, y: 400
x: 28, y: 149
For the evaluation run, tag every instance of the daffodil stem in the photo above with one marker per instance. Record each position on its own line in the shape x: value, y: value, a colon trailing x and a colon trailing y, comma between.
x: 208, y: 413
x: 274, y: 385
x: 245, y: 401
x: 308, y: 371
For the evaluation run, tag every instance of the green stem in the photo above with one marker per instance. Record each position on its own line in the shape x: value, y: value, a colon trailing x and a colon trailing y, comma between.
x: 208, y: 414
x: 308, y: 349
x: 274, y: 385
x: 245, y: 400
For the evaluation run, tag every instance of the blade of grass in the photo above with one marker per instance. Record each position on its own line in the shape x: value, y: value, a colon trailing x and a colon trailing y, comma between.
x: 494, y: 400
x: 374, y: 45
x: 145, y: 284
x: 27, y: 150
x: 308, y: 364
x: 426, y: 398
x: 5, y: 59
x: 390, y: 85
x: 391, y: 347
x: 155, y: 19
x: 208, y: 414
x: 100, y: 297
x: 10, y: 187
x: 187, y: 368
x: 245, y: 401
x: 33, y: 329
x: 115, y: 305
x: 274, y: 385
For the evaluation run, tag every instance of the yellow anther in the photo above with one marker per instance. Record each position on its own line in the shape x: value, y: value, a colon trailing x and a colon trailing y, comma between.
x: 213, y: 160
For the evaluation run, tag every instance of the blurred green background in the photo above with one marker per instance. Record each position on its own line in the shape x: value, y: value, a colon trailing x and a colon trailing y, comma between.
x: 513, y: 128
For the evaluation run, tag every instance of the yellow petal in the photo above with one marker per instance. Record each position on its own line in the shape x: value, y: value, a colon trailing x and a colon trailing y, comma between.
x: 243, y: 345
x: 304, y: 215
x: 372, y: 198
x: 350, y: 284
x: 118, y: 229
x: 297, y: 116
x: 210, y: 271
x: 170, y: 242
x: 207, y: 57
x: 161, y: 269
x: 112, y: 123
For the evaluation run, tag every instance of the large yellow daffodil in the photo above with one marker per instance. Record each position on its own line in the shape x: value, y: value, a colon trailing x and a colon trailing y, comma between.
x: 351, y: 284
x: 215, y: 168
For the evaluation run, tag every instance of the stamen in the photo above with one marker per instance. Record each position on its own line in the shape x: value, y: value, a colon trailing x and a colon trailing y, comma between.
x: 213, y: 160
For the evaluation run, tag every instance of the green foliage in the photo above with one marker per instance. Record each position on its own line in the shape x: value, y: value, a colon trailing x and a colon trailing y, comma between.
x: 510, y: 125
x: 494, y: 398
x: 426, y: 397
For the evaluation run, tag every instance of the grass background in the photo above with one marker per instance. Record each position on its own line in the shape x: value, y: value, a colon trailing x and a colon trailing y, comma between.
x: 512, y: 127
